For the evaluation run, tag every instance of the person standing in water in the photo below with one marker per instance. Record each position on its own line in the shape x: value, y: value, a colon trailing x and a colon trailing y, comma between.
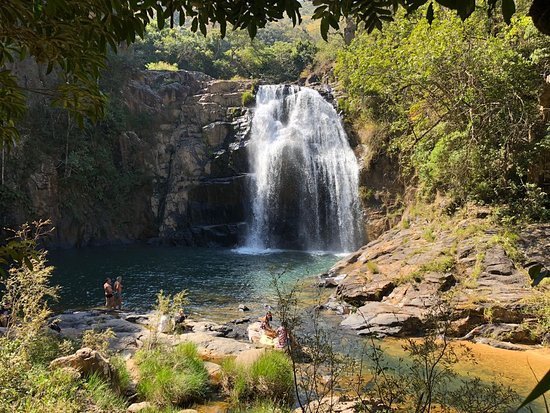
x: 108, y: 290
x: 118, y: 293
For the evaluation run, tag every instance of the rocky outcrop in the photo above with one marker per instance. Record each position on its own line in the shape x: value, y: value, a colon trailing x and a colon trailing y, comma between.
x: 198, y: 154
x: 132, y: 331
x: 183, y: 144
x: 401, y: 279
x: 87, y: 362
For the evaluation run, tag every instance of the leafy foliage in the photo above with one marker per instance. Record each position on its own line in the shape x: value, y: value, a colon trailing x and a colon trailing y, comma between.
x: 278, y: 53
x: 268, y: 378
x: 72, y: 37
x: 459, y: 105
x: 173, y: 376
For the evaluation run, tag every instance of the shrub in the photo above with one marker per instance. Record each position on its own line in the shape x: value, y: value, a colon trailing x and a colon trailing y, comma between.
x: 47, y: 347
x: 102, y: 395
x: 97, y: 340
x: 269, y: 378
x: 171, y: 67
x: 168, y: 304
x: 172, y: 377
x: 248, y: 98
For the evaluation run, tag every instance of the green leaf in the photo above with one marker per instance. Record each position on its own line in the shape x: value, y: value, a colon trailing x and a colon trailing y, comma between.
x: 324, y: 28
x: 160, y: 18
x: 430, y: 13
x: 508, y: 10
x: 252, y: 30
x: 28, y: 263
x: 466, y: 8
x: 542, y: 387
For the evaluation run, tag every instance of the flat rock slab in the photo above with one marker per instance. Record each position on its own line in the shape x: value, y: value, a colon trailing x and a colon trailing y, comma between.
x: 382, y: 318
x: 215, y: 347
x: 248, y: 357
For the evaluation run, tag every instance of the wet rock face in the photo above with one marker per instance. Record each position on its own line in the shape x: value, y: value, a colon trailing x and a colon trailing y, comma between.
x: 186, y: 136
x: 197, y: 155
x: 399, y: 280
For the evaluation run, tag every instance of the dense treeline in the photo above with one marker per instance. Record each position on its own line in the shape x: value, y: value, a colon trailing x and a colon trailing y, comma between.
x: 278, y: 54
x: 457, y: 103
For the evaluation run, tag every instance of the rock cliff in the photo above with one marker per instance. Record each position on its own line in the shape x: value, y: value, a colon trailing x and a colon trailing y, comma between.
x: 196, y: 154
x: 473, y: 268
x: 182, y: 135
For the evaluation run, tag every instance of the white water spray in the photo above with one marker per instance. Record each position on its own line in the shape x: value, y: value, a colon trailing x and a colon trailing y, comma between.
x: 304, y: 181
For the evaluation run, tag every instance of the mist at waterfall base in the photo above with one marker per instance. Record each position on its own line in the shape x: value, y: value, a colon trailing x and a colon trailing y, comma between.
x: 304, y: 175
x: 217, y: 279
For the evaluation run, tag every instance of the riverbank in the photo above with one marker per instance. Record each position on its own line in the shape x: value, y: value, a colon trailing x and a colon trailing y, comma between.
x: 217, y: 342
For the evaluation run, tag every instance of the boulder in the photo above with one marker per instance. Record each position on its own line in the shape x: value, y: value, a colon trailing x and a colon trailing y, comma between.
x: 138, y: 407
x: 248, y: 357
x: 215, y: 347
x: 214, y: 372
x: 87, y: 362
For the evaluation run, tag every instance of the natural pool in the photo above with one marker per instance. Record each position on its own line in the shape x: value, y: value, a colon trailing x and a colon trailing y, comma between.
x: 217, y: 279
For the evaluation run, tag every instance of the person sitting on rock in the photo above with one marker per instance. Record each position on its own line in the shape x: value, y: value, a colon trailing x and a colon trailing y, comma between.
x: 281, y: 342
x: 265, y: 325
x: 179, y: 321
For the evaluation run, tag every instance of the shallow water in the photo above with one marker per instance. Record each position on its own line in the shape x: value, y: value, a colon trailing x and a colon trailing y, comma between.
x: 217, y: 279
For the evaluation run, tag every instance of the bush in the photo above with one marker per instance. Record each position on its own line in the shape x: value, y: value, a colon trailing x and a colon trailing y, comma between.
x: 455, y: 99
x: 121, y: 379
x: 97, y: 340
x: 269, y: 378
x: 248, y: 98
x: 101, y: 394
x: 172, y: 377
x: 171, y: 67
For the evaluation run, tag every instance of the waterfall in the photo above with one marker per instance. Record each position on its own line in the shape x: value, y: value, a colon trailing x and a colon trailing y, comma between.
x: 304, y: 175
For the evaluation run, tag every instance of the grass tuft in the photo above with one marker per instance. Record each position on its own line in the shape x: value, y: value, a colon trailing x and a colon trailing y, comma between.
x: 172, y: 377
x: 269, y: 379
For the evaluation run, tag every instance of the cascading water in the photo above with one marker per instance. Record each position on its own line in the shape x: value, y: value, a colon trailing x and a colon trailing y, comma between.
x: 304, y: 175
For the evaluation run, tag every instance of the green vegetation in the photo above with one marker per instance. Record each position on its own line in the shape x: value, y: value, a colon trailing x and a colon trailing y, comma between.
x: 459, y: 104
x: 171, y: 67
x: 172, y: 377
x: 248, y: 98
x: 372, y: 267
x: 539, y: 307
x: 279, y: 53
x: 169, y: 304
x: 97, y: 340
x: 102, y: 395
x: 268, y: 378
x: 27, y: 384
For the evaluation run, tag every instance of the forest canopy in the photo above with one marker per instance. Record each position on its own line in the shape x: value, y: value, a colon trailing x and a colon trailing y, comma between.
x: 73, y: 36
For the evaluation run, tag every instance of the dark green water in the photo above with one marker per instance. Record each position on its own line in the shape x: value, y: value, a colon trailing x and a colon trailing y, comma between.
x: 215, y: 278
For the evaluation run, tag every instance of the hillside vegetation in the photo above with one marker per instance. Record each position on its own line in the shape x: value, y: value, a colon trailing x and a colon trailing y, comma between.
x: 457, y: 103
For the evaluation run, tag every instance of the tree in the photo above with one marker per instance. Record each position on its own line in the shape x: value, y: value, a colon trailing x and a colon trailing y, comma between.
x: 71, y: 37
